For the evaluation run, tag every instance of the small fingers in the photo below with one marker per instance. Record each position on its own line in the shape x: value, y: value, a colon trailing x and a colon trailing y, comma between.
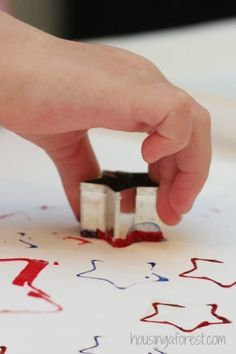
x: 183, y: 174
x: 193, y: 165
x: 163, y: 172
x: 75, y: 163
x: 169, y: 136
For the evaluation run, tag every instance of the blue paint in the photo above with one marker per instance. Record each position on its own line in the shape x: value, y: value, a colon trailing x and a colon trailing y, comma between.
x: 159, y: 351
x: 159, y: 277
x: 94, y: 267
x: 85, y: 350
x: 28, y: 243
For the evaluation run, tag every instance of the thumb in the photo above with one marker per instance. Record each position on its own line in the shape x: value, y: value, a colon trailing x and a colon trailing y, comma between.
x: 75, y: 163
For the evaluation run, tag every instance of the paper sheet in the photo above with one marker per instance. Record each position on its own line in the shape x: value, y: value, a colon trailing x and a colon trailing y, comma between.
x: 76, y: 294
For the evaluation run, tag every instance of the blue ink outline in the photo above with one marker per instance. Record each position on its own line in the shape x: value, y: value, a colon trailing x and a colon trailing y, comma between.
x: 84, y: 351
x: 94, y: 267
x: 160, y: 278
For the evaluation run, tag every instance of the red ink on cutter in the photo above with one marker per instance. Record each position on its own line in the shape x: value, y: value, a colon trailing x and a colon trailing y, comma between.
x: 195, y: 267
x: 27, y: 277
x: 214, y: 307
x: 132, y: 237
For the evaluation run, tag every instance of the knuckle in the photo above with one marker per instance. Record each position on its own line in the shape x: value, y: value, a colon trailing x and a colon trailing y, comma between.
x: 184, y: 101
x: 207, y: 117
x: 204, y: 118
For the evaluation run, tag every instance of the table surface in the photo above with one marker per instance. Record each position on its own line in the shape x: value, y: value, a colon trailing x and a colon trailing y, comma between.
x: 202, y: 60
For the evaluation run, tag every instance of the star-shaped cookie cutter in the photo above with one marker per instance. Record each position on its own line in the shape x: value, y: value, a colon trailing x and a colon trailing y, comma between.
x: 120, y: 208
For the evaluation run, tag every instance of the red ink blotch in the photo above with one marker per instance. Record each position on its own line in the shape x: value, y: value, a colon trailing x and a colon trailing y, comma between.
x: 132, y: 237
x: 56, y: 263
x: 81, y: 240
x: 3, y: 350
x: 214, y: 307
x: 195, y: 267
x: 27, y: 277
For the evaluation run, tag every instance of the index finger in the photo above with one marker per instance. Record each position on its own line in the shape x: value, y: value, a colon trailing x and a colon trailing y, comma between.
x: 193, y: 163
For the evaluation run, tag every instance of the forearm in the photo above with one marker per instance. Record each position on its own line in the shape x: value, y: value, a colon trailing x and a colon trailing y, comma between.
x: 18, y: 61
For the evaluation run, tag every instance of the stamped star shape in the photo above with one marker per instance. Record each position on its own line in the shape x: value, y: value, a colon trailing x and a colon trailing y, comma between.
x: 198, y: 263
x: 219, y: 320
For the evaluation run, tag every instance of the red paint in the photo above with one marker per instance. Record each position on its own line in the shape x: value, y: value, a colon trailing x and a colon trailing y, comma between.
x: 56, y: 263
x: 81, y: 240
x: 26, y: 277
x: 214, y: 307
x: 195, y: 267
x: 3, y: 350
x: 134, y: 236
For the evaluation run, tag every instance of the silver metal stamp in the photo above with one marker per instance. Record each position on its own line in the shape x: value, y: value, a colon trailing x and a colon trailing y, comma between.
x: 120, y: 207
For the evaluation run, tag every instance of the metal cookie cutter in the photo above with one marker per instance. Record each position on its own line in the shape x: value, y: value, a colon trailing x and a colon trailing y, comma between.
x: 120, y: 208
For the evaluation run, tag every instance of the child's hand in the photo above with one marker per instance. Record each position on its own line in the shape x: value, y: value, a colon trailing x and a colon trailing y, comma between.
x: 56, y: 90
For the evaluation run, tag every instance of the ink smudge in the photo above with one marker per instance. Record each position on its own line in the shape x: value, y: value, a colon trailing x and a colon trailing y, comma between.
x: 44, y: 207
x: 31, y: 245
x: 214, y: 307
x: 87, y: 350
x: 195, y: 267
x: 3, y: 350
x: 10, y: 215
x: 215, y: 210
x: 26, y: 277
x: 21, y: 233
